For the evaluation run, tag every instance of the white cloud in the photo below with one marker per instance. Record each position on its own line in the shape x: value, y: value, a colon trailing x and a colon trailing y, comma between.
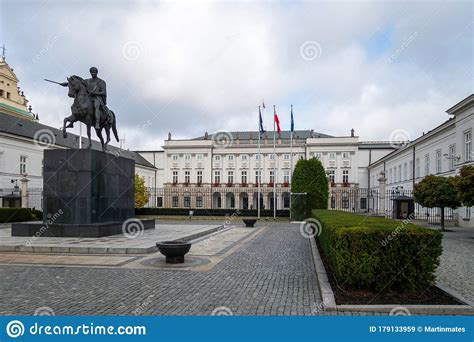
x: 201, y: 67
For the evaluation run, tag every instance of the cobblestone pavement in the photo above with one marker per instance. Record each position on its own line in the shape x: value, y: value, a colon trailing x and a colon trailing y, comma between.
x: 456, y: 269
x: 272, y: 274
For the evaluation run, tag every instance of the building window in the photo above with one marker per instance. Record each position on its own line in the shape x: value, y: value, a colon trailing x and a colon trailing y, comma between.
x: 8, y: 95
x: 23, y: 162
x: 345, y: 176
x: 272, y: 177
x: 187, y: 157
x: 318, y: 156
x: 332, y: 176
x: 286, y: 200
x: 286, y: 157
x: 272, y: 156
x: 1, y: 92
x: 199, y: 177
x: 175, y: 177
x: 230, y: 177
x: 427, y: 164
x: 217, y: 158
x: 467, y: 145
x: 199, y: 156
x: 417, y: 167
x: 438, y: 161
x: 174, y: 157
x: 175, y: 201
x: 187, y: 201
x: 244, y: 177
x: 468, y: 213
x: 452, y: 156
x: 345, y: 155
x: 345, y: 202
x: 199, y: 201
x: 257, y: 157
x: 286, y: 177
x: 333, y: 202
x: 363, y: 203
x: 230, y: 157
x: 258, y: 177
x: 187, y: 177
x: 243, y: 157
x: 217, y: 177
x: 159, y: 201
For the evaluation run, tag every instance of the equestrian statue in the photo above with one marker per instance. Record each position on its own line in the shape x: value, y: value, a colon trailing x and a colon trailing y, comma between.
x: 90, y: 107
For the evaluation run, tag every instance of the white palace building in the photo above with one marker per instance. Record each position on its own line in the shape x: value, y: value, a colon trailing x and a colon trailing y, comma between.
x: 210, y: 172
x: 206, y: 173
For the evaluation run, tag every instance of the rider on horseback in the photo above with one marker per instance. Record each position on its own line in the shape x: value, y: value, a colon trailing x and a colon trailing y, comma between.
x: 98, y: 91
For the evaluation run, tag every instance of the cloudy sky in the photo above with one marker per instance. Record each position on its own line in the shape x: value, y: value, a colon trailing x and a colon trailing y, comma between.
x: 188, y: 67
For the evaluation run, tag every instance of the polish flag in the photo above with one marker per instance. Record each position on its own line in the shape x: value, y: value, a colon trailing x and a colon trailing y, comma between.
x: 277, y: 122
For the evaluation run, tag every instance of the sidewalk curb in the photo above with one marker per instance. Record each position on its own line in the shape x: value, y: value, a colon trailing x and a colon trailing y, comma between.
x: 329, y: 302
x: 327, y: 295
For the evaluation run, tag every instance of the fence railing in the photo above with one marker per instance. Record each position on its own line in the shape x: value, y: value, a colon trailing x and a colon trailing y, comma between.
x: 396, y: 204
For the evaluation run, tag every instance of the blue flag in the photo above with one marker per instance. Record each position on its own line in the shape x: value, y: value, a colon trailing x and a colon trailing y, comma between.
x: 292, y: 121
x: 260, y: 121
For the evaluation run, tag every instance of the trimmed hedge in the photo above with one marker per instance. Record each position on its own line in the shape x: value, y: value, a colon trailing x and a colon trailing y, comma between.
x: 19, y: 215
x: 377, y: 253
x: 209, y: 212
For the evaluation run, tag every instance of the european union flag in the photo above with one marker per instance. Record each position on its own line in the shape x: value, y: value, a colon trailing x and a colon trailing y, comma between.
x: 292, y: 121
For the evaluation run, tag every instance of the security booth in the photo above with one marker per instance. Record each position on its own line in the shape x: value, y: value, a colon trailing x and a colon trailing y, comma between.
x: 403, y: 207
x: 11, y: 201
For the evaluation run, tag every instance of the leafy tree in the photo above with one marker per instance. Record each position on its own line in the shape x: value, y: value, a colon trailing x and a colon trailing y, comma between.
x: 141, y: 194
x: 464, y: 184
x: 436, y: 192
x: 308, y: 176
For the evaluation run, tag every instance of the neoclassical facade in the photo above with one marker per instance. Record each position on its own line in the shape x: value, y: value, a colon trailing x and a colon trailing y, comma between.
x: 223, y: 170
x: 441, y: 151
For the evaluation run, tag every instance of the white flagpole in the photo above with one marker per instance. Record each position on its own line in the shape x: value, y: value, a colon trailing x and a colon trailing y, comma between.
x: 274, y: 164
x: 259, y: 163
x: 291, y: 160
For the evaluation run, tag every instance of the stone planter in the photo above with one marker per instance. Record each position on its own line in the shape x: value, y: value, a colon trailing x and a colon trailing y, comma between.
x: 249, y: 222
x: 174, y: 251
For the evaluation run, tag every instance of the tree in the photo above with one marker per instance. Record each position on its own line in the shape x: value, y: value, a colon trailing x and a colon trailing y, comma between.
x: 141, y: 194
x: 464, y: 184
x: 309, y: 177
x: 436, y: 192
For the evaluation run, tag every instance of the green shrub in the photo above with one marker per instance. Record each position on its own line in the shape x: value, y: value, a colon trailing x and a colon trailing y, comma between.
x: 308, y: 177
x: 19, y: 215
x: 378, y: 254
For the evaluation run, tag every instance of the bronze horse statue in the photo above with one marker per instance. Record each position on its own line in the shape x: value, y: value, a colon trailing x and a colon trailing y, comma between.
x: 82, y: 110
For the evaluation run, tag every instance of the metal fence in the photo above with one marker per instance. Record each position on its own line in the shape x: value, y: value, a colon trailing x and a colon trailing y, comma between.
x: 12, y: 197
x: 357, y: 200
x: 397, y: 203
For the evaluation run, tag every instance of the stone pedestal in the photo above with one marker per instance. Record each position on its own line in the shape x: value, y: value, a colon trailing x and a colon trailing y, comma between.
x: 86, y: 193
x: 382, y: 187
x: 24, y: 192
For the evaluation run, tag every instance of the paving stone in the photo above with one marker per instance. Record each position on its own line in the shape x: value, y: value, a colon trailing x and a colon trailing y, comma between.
x: 270, y: 274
